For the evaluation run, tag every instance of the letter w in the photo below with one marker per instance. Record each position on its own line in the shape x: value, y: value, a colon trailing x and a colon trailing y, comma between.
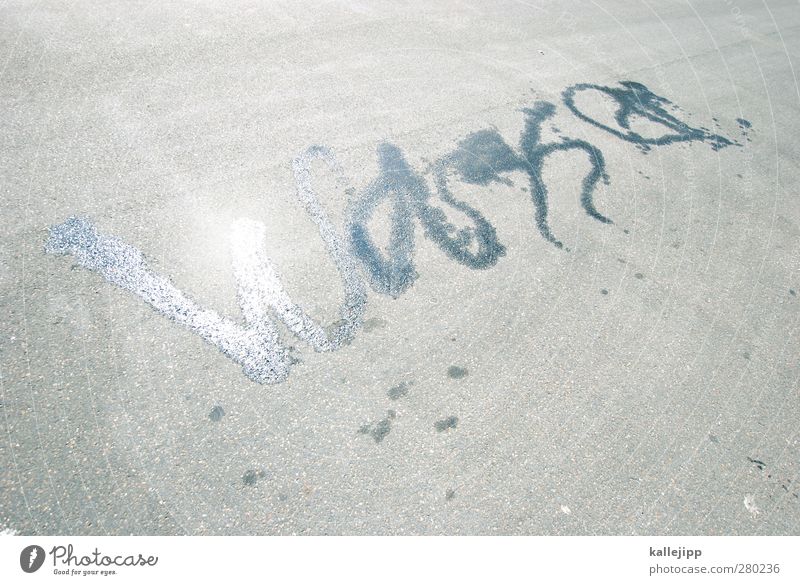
x: 255, y: 346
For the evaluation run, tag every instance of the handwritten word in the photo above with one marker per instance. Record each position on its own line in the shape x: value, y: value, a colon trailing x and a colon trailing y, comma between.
x: 479, y: 159
x: 256, y: 347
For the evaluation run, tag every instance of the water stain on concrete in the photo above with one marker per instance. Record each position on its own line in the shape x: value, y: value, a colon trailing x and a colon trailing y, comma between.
x: 397, y: 392
x: 380, y: 429
x: 447, y: 423
x: 251, y: 476
x: 457, y: 372
x: 479, y: 159
x: 216, y: 414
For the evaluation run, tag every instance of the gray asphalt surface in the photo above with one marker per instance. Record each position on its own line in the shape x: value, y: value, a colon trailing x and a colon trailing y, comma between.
x: 571, y: 306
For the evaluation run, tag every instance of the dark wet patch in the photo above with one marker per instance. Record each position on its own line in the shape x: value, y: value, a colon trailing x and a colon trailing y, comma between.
x: 792, y: 292
x: 713, y: 438
x: 380, y: 429
x: 746, y: 355
x: 626, y: 231
x: 745, y: 127
x: 449, y: 494
x: 457, y: 372
x: 622, y: 260
x: 251, y: 476
x: 397, y: 392
x: 448, y: 423
x: 482, y: 156
x: 216, y: 414
x: 639, y: 275
x: 603, y: 291
x: 760, y: 464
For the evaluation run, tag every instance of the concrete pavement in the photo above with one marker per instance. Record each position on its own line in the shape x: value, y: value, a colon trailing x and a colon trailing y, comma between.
x: 418, y: 268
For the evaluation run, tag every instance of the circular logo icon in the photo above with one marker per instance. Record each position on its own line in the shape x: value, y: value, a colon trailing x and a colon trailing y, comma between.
x: 31, y: 558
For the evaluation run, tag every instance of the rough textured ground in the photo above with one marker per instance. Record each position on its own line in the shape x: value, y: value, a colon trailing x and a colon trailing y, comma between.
x: 639, y: 378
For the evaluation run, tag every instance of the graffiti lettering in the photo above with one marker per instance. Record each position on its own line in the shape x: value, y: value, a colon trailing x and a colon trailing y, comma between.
x: 479, y: 159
